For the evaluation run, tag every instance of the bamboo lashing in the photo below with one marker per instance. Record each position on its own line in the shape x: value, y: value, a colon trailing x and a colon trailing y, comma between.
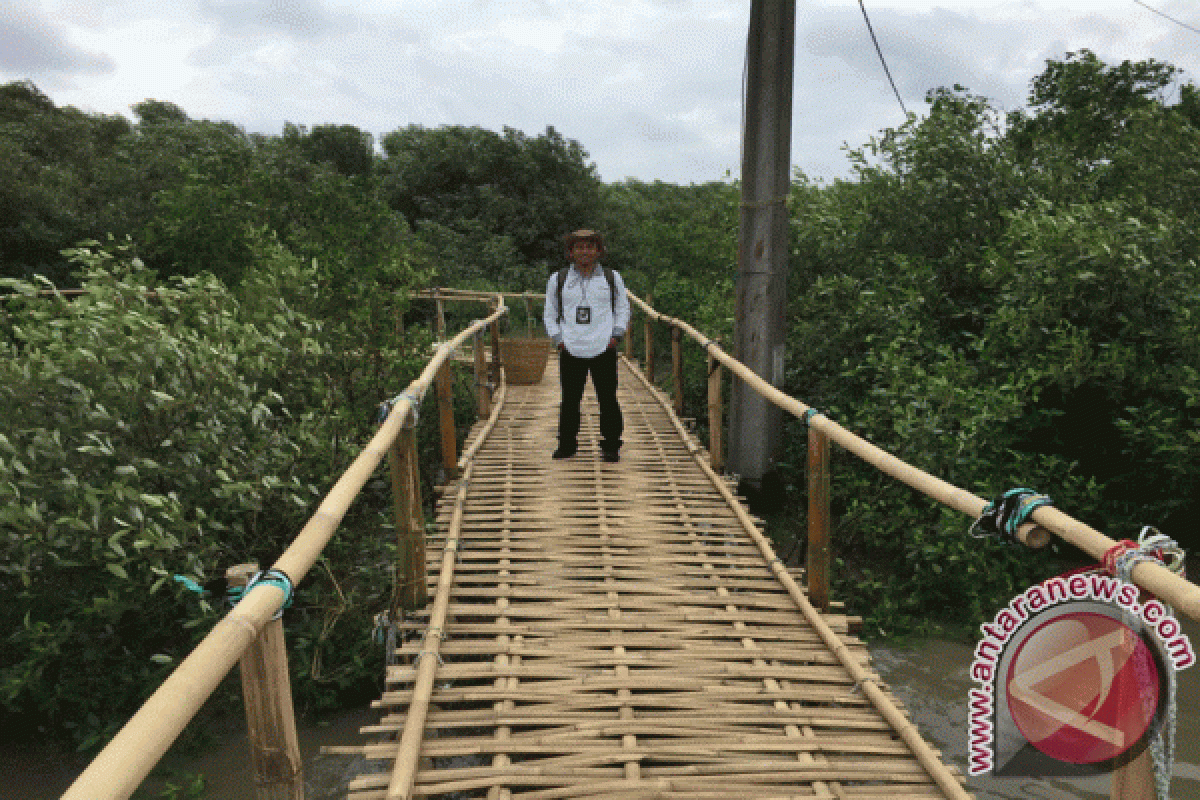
x: 1148, y: 575
x: 123, y: 764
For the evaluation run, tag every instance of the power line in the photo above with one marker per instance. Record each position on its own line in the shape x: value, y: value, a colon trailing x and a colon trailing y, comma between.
x: 886, y: 71
x: 1164, y: 16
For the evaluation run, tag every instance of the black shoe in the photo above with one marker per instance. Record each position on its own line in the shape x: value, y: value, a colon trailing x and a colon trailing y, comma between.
x: 612, y: 456
x: 563, y: 452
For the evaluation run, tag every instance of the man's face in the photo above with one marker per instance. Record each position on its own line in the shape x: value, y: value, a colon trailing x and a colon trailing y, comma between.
x: 585, y: 253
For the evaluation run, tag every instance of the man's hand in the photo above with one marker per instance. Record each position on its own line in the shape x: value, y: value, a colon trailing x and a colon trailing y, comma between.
x: 612, y: 343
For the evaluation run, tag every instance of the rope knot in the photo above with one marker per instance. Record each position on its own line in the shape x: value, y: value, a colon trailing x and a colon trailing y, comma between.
x: 272, y: 577
x: 1151, y: 545
x: 1007, y: 513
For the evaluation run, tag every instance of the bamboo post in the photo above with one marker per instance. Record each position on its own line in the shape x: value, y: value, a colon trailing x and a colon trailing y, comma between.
x: 529, y: 316
x: 445, y: 402
x: 482, y: 397
x: 649, y: 330
x: 1133, y: 778
x: 629, y: 336
x: 410, y: 519
x: 494, y: 373
x: 677, y: 368
x: 817, y: 565
x: 441, y: 315
x: 270, y: 718
x: 715, y: 423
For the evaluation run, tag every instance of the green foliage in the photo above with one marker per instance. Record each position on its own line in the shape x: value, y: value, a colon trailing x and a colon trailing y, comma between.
x: 492, y: 206
x: 1004, y: 305
x: 677, y: 245
x: 156, y: 430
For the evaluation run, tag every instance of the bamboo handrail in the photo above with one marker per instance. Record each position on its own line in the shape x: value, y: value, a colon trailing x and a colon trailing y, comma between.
x: 123, y: 764
x: 447, y: 293
x: 1149, y: 575
x: 408, y: 749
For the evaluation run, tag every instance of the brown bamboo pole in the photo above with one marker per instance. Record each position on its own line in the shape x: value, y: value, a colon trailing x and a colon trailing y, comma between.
x: 648, y: 328
x: 482, y: 395
x: 270, y: 718
x: 410, y: 519
x: 924, y: 754
x: 441, y: 317
x: 408, y: 750
x: 449, y: 436
x: 716, y: 441
x: 1149, y: 575
x: 494, y: 372
x: 122, y: 765
x: 817, y: 561
x: 677, y: 369
x: 529, y: 316
x: 470, y: 295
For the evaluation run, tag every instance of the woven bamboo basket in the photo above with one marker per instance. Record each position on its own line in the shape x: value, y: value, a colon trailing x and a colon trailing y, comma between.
x: 524, y: 360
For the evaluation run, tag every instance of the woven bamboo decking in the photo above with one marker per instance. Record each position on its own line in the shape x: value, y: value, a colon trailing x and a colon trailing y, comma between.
x: 614, y: 632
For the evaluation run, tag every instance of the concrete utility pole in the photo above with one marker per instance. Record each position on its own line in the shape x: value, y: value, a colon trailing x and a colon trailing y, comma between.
x: 754, y: 423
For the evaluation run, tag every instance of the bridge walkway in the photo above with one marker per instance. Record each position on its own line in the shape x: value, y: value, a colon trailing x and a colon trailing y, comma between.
x: 614, y: 630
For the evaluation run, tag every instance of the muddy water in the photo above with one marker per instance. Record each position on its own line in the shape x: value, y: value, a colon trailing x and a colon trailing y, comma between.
x: 931, y: 677
x: 35, y: 773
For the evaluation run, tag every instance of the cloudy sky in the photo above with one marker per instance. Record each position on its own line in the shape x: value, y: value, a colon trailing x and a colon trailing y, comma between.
x: 651, y: 88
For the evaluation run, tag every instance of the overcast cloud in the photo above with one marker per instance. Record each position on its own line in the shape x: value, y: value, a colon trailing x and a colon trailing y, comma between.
x: 651, y: 88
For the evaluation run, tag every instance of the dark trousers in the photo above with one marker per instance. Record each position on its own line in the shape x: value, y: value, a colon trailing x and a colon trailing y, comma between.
x: 572, y: 375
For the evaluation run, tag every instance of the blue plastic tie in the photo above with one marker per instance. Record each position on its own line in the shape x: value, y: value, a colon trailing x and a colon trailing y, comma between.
x: 190, y: 584
x: 271, y: 577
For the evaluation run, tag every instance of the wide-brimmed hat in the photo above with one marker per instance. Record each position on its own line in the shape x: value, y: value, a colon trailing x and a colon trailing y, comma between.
x: 583, y: 235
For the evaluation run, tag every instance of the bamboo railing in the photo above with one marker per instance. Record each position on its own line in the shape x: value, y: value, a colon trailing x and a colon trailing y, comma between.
x: 246, y: 633
x: 1133, y: 780
x: 1183, y: 595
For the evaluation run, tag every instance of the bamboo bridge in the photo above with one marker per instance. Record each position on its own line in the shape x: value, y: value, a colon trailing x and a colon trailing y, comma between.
x: 580, y: 628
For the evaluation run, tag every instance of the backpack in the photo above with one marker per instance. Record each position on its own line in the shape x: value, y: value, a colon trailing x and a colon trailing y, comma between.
x: 608, y: 276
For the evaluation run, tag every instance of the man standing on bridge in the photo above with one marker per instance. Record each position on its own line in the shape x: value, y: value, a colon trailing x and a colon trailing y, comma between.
x: 586, y: 314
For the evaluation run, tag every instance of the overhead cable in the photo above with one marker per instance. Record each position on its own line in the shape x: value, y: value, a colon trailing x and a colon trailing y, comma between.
x: 1164, y: 16
x: 887, y: 71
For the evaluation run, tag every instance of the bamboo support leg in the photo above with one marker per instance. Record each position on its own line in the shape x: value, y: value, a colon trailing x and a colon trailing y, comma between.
x: 483, y: 398
x: 1135, y: 779
x: 649, y: 330
x: 817, y: 565
x: 270, y: 718
x: 441, y: 317
x: 494, y: 373
x: 529, y: 317
x: 677, y: 368
x: 410, y: 521
x: 445, y: 401
x: 715, y: 423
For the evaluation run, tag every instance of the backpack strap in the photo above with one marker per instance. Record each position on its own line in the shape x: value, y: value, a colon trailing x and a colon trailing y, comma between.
x: 562, y: 278
x: 612, y: 289
x: 608, y: 276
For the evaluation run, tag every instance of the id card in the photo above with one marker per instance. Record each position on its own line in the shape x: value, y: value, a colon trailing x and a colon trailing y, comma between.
x: 583, y: 315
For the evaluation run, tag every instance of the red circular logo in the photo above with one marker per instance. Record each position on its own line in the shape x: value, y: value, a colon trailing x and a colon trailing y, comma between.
x: 1083, y: 687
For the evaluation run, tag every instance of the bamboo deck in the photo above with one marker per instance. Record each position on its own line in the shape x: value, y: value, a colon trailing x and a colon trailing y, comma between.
x: 613, y: 631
